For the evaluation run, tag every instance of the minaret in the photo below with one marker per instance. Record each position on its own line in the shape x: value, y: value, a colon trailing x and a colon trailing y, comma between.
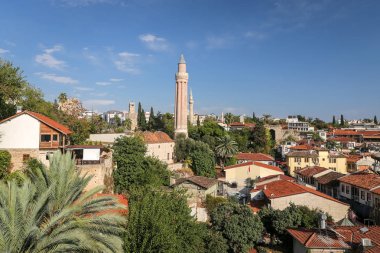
x: 180, y: 103
x: 191, y: 108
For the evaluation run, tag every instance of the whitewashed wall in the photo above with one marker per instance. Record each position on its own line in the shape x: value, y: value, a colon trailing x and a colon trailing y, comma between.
x: 20, y: 132
x: 91, y: 154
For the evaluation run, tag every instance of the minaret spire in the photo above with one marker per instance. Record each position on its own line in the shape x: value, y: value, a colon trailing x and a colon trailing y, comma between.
x: 191, y: 108
x: 180, y: 109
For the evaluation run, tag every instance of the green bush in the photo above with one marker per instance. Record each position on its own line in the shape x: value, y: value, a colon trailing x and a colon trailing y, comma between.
x: 5, y: 163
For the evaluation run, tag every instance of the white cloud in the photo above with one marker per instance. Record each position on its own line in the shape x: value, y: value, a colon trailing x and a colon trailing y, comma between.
x: 3, y: 51
x: 47, y: 59
x: 154, y: 42
x: 126, y: 62
x: 84, y: 88
x: 95, y: 102
x: 116, y: 79
x: 103, y: 83
x: 57, y: 79
x: 90, y: 56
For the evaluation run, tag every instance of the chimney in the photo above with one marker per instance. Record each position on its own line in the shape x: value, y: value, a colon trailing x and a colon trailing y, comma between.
x: 18, y: 109
x: 322, y: 221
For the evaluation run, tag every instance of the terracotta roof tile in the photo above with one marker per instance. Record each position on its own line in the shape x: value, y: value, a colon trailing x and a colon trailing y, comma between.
x: 156, y: 137
x: 342, y: 237
x: 44, y: 119
x: 263, y: 165
x: 283, y: 188
x: 310, y: 171
x: 280, y: 177
x: 329, y: 177
x: 254, y: 157
x: 362, y: 179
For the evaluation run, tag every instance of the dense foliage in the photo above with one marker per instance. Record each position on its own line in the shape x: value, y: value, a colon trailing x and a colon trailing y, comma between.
x: 133, y: 169
x: 51, y: 212
x: 161, y: 222
x: 238, y: 225
x: 5, y: 163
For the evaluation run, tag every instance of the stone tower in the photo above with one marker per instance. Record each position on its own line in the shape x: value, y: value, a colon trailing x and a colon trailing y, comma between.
x: 191, y: 108
x: 180, y: 103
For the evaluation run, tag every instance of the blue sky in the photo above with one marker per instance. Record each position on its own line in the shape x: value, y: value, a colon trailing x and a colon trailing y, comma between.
x: 278, y: 57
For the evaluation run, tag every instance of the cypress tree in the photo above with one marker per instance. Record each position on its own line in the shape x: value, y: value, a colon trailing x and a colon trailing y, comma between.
x: 143, y: 120
x: 152, y: 120
x: 198, y: 122
x: 334, y: 121
x: 375, y: 120
x: 139, y: 115
x: 341, y: 120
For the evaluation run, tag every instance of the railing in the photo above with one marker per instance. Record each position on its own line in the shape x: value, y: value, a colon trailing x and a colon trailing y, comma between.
x: 87, y: 162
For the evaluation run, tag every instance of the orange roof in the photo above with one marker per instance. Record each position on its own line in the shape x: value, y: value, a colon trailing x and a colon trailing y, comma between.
x: 363, y: 179
x: 283, y: 188
x: 343, y: 238
x: 344, y: 132
x: 310, y: 171
x: 302, y: 147
x: 120, y: 199
x: 254, y: 157
x: 279, y: 177
x: 44, y: 119
x: 341, y: 139
x: 156, y: 137
x: 263, y: 165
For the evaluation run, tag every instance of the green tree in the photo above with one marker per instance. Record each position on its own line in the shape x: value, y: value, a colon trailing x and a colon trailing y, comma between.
x: 5, y: 163
x: 51, y: 212
x: 128, y: 124
x: 334, y: 121
x: 141, y: 120
x: 226, y: 147
x: 258, y: 141
x: 238, y: 225
x: 133, y: 169
x: 62, y: 97
x: 375, y: 120
x: 215, y: 242
x: 203, y: 163
x: 341, y: 120
x: 161, y: 222
x: 152, y: 121
x: 212, y: 202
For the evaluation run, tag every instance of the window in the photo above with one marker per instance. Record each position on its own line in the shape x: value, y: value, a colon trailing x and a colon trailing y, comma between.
x: 369, y: 196
x: 332, y: 168
x: 297, y: 159
x: 342, y: 190
x: 25, y: 157
x: 315, y: 160
x: 55, y: 137
x: 168, y: 156
x: 306, y: 159
x: 332, y: 160
x: 158, y: 146
x: 362, y: 196
x: 45, y: 137
x: 347, y: 190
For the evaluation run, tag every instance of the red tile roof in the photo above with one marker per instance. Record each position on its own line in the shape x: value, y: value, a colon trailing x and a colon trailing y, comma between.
x: 120, y: 199
x: 344, y: 132
x: 254, y: 157
x: 283, y: 188
x: 156, y: 137
x: 341, y: 237
x: 263, y: 165
x: 362, y: 179
x: 44, y: 119
x: 279, y: 177
x: 376, y: 191
x: 329, y: 177
x: 302, y: 147
x: 341, y: 139
x: 310, y: 171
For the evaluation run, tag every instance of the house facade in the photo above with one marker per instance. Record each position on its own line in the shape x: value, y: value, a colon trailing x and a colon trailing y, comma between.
x: 159, y: 145
x: 316, y: 157
x: 243, y: 173
x: 31, y: 135
x: 279, y: 194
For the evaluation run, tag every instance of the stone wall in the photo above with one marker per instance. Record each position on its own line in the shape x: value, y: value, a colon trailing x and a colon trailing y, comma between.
x: 19, y: 157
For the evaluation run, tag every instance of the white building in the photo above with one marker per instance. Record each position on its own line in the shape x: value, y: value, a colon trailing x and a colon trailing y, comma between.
x: 159, y: 145
x: 31, y: 135
x: 295, y: 124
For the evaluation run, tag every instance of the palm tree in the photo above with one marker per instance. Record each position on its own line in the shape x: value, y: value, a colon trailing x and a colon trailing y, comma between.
x: 51, y: 212
x: 226, y: 147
